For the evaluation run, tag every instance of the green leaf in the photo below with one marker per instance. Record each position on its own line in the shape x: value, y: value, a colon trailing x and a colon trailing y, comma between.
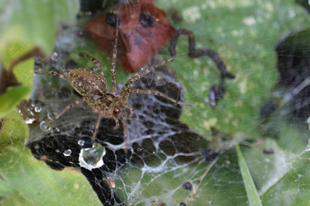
x: 268, y: 169
x: 243, y: 35
x: 13, y: 129
x: 34, y: 22
x: 11, y: 98
x: 23, y: 72
x: 247, y: 179
x: 6, y: 190
x: 37, y: 184
x: 293, y: 188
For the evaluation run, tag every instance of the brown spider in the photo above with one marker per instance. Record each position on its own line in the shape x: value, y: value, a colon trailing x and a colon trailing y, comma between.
x: 94, y: 89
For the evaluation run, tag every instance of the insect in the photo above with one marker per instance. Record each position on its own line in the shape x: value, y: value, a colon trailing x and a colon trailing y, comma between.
x: 144, y: 30
x: 94, y: 89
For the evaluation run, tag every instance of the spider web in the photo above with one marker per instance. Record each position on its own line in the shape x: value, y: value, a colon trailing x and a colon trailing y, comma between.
x: 169, y: 162
x: 164, y: 153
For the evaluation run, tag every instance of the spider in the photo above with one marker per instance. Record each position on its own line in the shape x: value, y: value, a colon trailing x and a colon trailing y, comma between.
x: 94, y: 90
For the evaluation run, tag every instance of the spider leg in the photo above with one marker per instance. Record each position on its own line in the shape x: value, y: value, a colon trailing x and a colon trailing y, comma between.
x: 96, y: 127
x: 125, y: 128
x: 140, y: 91
x: 138, y: 76
x: 54, y: 73
x: 97, y: 63
x: 68, y: 107
x: 114, y: 60
x: 116, y: 122
x: 131, y: 111
x: 194, y: 53
x: 64, y: 71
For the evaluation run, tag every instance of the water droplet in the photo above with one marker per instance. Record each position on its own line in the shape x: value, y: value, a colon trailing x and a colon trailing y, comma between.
x: 57, y: 129
x: 36, y: 146
x: 44, y: 126
x: 50, y: 115
x: 81, y: 142
x: 37, y: 109
x: 57, y: 150
x: 67, y: 152
x: 54, y: 57
x: 29, y: 120
x: 91, y: 158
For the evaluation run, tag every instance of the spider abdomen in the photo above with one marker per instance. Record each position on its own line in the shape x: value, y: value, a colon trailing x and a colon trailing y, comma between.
x: 87, y: 82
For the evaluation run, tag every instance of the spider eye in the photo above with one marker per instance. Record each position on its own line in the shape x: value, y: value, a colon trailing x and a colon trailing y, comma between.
x: 116, y: 111
x: 147, y: 20
x: 111, y: 19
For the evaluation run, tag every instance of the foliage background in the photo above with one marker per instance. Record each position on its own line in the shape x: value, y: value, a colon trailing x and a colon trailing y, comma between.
x: 243, y: 33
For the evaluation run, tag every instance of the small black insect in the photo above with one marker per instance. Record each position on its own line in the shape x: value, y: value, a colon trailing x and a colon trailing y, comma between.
x: 187, y: 186
x: 268, y: 151
x: 209, y: 155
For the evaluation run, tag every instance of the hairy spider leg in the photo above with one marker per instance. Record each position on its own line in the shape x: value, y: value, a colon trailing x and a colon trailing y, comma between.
x: 116, y: 122
x: 96, y: 127
x: 123, y: 92
x: 96, y: 62
x: 68, y: 107
x: 194, y: 53
x: 154, y: 92
x: 131, y: 110
x: 125, y: 128
x: 113, y: 80
x: 54, y: 73
x: 64, y: 71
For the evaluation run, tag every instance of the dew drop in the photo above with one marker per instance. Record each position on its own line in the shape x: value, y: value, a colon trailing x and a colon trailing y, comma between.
x: 57, y: 129
x: 44, y: 126
x: 54, y: 57
x: 36, y: 146
x: 81, y: 142
x: 91, y: 158
x: 50, y: 115
x: 57, y: 150
x: 67, y: 152
x: 37, y: 109
x: 29, y: 120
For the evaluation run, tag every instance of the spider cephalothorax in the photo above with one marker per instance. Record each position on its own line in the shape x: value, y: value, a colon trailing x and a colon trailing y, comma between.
x: 94, y: 89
